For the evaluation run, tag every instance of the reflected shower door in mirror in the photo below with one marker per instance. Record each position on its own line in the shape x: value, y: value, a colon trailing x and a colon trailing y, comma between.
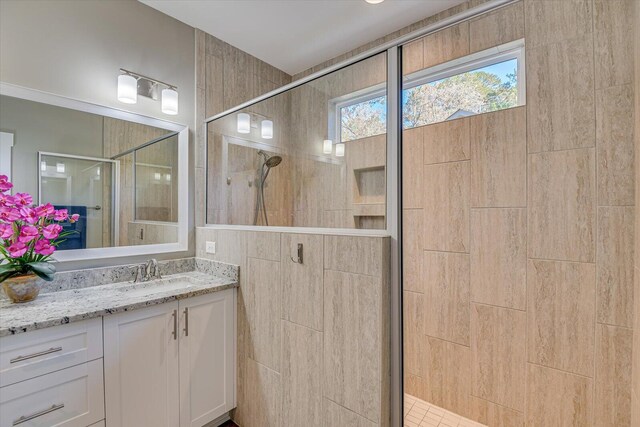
x: 120, y: 176
x: 85, y: 186
x: 313, y: 156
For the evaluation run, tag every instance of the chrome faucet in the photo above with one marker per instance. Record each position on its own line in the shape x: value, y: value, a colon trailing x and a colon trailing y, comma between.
x: 153, y: 272
x: 147, y: 271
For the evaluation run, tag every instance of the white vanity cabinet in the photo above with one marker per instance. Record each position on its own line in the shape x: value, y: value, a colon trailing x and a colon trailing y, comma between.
x: 172, y: 364
x: 53, y: 376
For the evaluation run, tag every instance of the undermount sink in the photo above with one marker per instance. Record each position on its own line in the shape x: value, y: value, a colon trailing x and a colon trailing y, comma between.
x: 158, y: 286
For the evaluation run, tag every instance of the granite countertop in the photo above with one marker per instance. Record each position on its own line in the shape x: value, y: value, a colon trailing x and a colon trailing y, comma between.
x: 75, y: 303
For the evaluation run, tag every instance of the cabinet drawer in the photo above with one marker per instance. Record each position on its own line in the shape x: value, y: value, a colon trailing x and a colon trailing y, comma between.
x: 72, y: 397
x: 28, y: 355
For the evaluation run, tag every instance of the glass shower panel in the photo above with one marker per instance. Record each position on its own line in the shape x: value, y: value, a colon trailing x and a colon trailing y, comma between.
x: 83, y: 186
x: 156, y: 181
x: 324, y: 165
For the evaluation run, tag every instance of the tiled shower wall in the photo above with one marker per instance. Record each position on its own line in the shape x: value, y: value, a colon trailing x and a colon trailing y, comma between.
x: 313, y: 338
x: 518, y: 226
x: 635, y: 396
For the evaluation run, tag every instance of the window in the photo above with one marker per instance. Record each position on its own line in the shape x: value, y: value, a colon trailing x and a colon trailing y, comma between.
x: 359, y: 115
x: 479, y: 83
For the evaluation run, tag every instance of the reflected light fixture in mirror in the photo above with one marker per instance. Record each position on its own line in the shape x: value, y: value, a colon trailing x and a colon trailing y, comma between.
x: 340, y: 150
x: 327, y: 146
x: 266, y: 127
x: 170, y: 101
x: 244, y: 123
x: 60, y: 167
x: 127, y: 89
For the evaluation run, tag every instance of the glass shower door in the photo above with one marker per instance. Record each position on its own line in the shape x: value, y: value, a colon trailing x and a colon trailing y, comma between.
x: 84, y: 186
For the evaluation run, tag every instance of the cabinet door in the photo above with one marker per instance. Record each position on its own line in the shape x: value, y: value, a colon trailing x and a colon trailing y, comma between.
x: 207, y: 357
x: 141, y: 367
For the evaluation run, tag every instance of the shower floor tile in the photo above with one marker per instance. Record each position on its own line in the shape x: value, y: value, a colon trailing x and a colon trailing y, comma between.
x: 418, y: 413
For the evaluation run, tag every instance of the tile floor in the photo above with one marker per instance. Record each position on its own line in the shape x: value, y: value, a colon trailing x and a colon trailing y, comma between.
x: 418, y: 413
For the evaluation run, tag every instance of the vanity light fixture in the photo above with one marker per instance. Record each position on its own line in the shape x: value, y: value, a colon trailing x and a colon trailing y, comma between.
x: 244, y: 123
x: 131, y: 84
x: 327, y: 146
x: 127, y: 89
x: 170, y: 101
x: 266, y: 128
x: 340, y: 150
x: 374, y: 1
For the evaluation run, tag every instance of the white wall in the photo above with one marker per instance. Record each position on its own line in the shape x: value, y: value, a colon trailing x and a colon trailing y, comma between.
x: 76, y: 48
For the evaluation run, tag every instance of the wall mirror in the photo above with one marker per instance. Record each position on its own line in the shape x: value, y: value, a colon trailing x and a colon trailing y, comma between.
x: 124, y: 174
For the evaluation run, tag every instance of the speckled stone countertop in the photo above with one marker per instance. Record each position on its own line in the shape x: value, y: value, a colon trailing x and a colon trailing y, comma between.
x: 83, y: 294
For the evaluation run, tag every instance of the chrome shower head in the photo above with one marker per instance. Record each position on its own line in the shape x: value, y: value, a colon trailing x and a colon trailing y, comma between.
x: 273, y: 161
x: 270, y: 162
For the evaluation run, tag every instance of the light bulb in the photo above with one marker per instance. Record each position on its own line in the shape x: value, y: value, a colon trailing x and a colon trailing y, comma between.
x: 267, y: 129
x: 127, y: 89
x: 327, y: 146
x: 340, y: 150
x: 244, y: 123
x: 170, y: 101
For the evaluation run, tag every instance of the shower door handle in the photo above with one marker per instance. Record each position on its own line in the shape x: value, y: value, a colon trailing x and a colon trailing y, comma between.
x: 95, y: 208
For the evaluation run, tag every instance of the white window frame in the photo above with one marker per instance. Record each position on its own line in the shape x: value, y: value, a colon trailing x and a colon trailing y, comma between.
x: 474, y: 61
x: 337, y: 104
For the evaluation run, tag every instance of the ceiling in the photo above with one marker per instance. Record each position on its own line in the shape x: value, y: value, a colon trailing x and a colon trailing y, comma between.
x: 294, y: 35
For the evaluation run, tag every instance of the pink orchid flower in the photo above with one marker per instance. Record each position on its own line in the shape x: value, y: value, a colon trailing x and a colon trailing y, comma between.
x: 9, y: 214
x: 17, y: 249
x: 7, y: 200
x: 44, y: 247
x: 74, y: 218
x: 51, y: 231
x: 23, y: 199
x: 61, y: 215
x: 6, y: 231
x: 5, y: 185
x: 29, y: 215
x: 45, y: 210
x: 28, y: 233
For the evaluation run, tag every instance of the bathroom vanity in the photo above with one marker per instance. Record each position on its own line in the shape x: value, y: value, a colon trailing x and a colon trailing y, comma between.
x: 154, y: 353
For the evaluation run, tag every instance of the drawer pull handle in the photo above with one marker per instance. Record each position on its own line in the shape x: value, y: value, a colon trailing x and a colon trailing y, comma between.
x: 175, y: 324
x: 186, y: 321
x: 31, y: 356
x: 26, y: 418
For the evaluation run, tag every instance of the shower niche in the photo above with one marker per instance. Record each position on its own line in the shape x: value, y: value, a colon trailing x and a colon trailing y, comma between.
x: 366, y: 160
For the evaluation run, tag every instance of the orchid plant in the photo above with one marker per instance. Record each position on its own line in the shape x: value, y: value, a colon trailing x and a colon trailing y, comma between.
x: 28, y: 234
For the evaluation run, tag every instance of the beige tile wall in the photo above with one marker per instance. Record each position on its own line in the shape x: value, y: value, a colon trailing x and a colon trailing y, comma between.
x: 635, y: 399
x: 225, y: 77
x: 312, y: 338
x: 520, y: 309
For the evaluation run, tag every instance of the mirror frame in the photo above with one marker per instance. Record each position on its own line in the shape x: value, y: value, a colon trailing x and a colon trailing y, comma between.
x: 182, y: 245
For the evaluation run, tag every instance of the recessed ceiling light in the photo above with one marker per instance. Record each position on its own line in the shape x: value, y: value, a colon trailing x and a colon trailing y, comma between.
x: 374, y: 1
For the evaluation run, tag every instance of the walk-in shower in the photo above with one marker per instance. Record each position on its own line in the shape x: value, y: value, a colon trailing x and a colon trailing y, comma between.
x: 268, y: 162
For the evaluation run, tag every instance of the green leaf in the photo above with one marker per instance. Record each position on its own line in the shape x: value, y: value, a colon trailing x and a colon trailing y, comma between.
x: 7, y: 275
x: 42, y: 267
x: 44, y: 276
